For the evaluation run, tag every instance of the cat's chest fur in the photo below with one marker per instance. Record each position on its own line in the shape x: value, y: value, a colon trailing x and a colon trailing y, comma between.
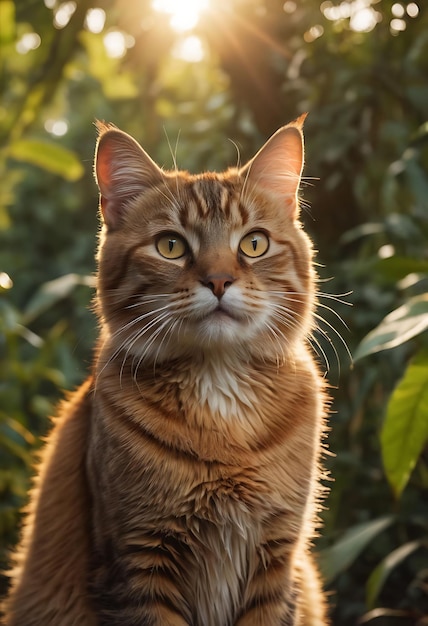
x: 219, y: 497
x: 219, y: 387
x: 213, y: 409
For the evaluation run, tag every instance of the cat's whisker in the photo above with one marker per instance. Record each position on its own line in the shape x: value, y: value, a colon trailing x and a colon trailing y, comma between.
x: 337, y: 297
x: 127, y: 348
x: 140, y: 333
x: 147, y: 350
x: 144, y: 302
x: 143, y: 297
x: 238, y: 153
x: 138, y: 320
x: 329, y: 340
x: 167, y: 194
x: 335, y: 313
x: 121, y: 293
x: 275, y: 335
x: 169, y: 325
x: 173, y: 152
x: 320, y: 294
x: 336, y: 333
x: 288, y: 317
x: 322, y: 306
x: 321, y: 319
x: 317, y: 347
x: 166, y: 338
x: 128, y: 343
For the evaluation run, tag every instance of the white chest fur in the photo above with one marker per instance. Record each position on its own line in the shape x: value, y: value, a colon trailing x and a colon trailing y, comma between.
x: 224, y: 387
x: 225, y: 562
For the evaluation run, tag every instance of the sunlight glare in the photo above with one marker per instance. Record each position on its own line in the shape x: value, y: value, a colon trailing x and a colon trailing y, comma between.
x: 412, y: 9
x: 364, y: 20
x: 5, y: 281
x: 56, y: 127
x: 28, y: 41
x: 116, y: 43
x: 189, y: 49
x: 397, y: 10
x: 63, y: 14
x: 362, y: 16
x: 95, y: 20
x: 184, y: 14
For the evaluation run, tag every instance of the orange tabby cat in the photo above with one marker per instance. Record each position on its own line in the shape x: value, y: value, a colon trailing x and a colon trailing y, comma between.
x: 179, y: 485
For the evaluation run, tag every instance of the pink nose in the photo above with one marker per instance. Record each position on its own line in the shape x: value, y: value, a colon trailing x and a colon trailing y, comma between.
x: 218, y: 283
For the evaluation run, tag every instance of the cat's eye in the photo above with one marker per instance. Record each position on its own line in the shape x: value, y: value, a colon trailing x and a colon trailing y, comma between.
x: 254, y: 244
x: 171, y: 246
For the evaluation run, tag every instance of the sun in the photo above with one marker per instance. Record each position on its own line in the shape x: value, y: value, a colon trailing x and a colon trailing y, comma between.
x: 184, y: 13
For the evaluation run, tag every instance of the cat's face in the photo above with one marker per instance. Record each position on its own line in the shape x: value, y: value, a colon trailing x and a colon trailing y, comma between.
x: 203, y: 263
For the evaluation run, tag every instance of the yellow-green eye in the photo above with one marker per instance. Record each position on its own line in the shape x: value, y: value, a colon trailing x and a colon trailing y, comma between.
x: 254, y: 244
x: 171, y: 246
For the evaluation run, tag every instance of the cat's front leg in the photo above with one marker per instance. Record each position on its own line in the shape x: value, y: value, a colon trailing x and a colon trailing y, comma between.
x: 272, y: 595
x: 274, y: 608
x: 140, y: 585
x: 278, y: 597
x: 142, y: 608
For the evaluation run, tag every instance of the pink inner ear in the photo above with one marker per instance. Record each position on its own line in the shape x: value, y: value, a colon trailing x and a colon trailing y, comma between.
x: 123, y: 170
x: 277, y: 167
x: 103, y: 168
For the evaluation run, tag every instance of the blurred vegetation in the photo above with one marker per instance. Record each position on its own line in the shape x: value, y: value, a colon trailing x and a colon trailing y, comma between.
x: 245, y: 68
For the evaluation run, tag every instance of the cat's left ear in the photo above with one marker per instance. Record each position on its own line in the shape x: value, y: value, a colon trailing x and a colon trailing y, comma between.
x: 277, y: 166
x: 122, y: 171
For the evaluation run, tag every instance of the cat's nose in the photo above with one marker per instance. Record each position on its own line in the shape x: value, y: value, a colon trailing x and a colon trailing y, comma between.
x: 218, y: 283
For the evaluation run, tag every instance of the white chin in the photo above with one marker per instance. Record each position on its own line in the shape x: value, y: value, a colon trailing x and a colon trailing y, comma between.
x: 220, y: 329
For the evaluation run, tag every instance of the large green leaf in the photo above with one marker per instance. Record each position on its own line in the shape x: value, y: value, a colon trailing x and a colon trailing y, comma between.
x: 384, y: 569
x: 52, y: 292
x: 405, y: 430
x: 397, y: 267
x: 342, y: 554
x: 399, y: 326
x: 48, y: 156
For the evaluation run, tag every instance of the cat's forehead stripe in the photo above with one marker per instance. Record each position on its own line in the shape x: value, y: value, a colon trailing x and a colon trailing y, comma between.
x: 217, y: 197
x: 243, y: 211
x: 207, y: 194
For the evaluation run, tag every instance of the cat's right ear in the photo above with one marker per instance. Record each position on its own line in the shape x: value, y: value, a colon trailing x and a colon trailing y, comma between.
x: 122, y: 171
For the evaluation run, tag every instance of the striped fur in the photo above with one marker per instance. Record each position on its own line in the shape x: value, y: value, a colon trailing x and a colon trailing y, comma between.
x: 180, y: 484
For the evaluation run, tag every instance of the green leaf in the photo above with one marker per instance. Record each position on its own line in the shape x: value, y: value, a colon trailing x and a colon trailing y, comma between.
x: 397, y: 267
x: 342, y: 554
x: 399, y: 326
x: 405, y: 430
x: 52, y: 292
x: 48, y: 156
x: 384, y: 569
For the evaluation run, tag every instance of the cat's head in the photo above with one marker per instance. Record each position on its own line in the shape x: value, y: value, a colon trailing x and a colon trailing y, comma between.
x: 203, y: 263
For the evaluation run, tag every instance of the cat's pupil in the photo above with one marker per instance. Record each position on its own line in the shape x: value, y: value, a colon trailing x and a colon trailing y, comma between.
x: 171, y: 244
x: 254, y: 242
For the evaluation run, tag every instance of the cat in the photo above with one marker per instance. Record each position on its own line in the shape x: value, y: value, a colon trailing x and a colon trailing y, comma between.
x: 180, y: 484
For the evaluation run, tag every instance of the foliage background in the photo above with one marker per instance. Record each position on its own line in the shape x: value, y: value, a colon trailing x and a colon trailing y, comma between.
x: 248, y: 66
